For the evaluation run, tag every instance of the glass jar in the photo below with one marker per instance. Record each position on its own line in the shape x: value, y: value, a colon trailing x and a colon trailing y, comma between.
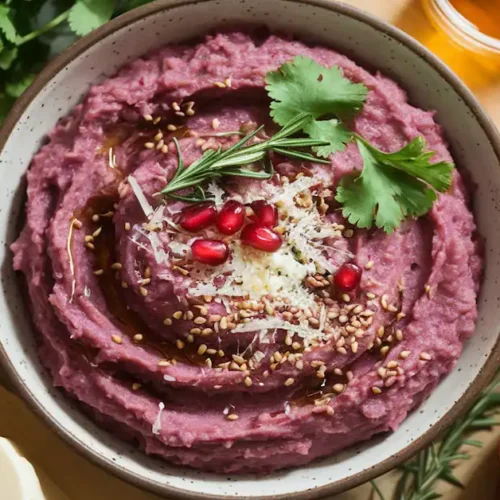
x: 465, y: 34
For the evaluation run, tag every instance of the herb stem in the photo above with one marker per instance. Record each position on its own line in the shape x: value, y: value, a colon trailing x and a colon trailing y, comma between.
x: 44, y: 29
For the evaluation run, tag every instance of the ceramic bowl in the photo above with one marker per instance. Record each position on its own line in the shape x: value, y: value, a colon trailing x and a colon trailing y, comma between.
x: 472, y: 138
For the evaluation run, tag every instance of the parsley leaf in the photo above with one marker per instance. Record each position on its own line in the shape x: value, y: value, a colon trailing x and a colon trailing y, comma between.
x: 87, y: 15
x: 6, y: 25
x: 304, y: 86
x: 331, y: 131
x: 17, y: 87
x: 392, y: 186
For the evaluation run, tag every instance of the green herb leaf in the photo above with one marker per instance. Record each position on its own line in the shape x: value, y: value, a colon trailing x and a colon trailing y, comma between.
x: 87, y: 15
x: 7, y: 57
x: 392, y: 186
x: 304, y: 86
x: 6, y: 25
x: 230, y: 162
x: 16, y: 88
x: 331, y: 131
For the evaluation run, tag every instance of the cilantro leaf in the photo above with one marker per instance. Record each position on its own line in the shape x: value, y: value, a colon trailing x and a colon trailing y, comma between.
x: 331, y: 131
x: 6, y: 25
x: 7, y: 57
x: 87, y: 15
x: 392, y: 186
x: 17, y: 87
x: 304, y: 86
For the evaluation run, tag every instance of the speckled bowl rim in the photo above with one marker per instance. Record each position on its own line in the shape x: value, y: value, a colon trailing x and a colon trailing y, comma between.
x: 485, y: 374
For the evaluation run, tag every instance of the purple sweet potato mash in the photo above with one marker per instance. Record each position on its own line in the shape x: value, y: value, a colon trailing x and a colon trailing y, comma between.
x: 174, y: 354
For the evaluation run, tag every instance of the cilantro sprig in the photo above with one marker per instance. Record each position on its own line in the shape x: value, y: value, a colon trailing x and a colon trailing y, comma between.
x: 391, y: 186
x: 31, y: 32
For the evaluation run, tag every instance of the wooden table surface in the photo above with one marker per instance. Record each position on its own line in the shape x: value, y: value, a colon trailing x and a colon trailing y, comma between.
x: 66, y: 475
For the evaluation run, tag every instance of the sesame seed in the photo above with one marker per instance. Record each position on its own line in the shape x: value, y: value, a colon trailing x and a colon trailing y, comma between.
x: 200, y: 320
x: 399, y: 335
x: 158, y: 136
x: 384, y: 350
x: 157, y: 120
x: 138, y: 337
x: 164, y: 149
x: 357, y: 309
x: 175, y: 106
x: 248, y: 381
x: 232, y: 416
x: 400, y: 316
x: 404, y: 354
x: 202, y: 349
x: 177, y: 315
x: 299, y: 365
x: 124, y: 284
x: 160, y: 144
x: 90, y: 246
x: 392, y: 308
x: 381, y: 372
x: 77, y: 223
x: 370, y: 295
x: 207, y: 331
x: 221, y: 85
x: 227, y: 82
x: 425, y: 356
x: 136, y: 386
x: 376, y: 390
x: 383, y: 301
x: 95, y: 218
x: 392, y: 364
x: 213, y: 318
x: 116, y: 339
x: 189, y: 339
x: 215, y: 123
x: 190, y: 112
x: 148, y: 117
x: 145, y: 281
x: 381, y: 331
x: 149, y: 145
x: 163, y: 362
x: 167, y: 321
x: 343, y: 319
x: 127, y: 226
x: 171, y: 128
x: 354, y: 347
x: 390, y: 381
x: 289, y: 381
x: 338, y: 388
x: 88, y: 238
x: 179, y: 344
x: 349, y: 375
x: 99, y: 272
x: 143, y: 291
x: 116, y: 266
x: 345, y: 297
x: 348, y: 233
x: 369, y: 264
x: 342, y: 350
x: 223, y: 323
x: 428, y: 290
x: 329, y: 410
x: 195, y: 331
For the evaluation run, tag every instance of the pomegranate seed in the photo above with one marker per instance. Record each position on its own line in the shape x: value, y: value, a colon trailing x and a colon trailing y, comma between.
x: 265, y: 214
x: 261, y: 237
x: 198, y: 217
x: 347, y: 277
x: 231, y: 217
x: 212, y: 252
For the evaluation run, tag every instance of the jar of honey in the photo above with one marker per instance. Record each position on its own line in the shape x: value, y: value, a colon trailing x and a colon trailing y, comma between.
x: 465, y: 34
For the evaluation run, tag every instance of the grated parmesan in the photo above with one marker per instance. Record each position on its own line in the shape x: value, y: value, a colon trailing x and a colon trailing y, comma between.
x: 157, y: 423
x: 141, y: 197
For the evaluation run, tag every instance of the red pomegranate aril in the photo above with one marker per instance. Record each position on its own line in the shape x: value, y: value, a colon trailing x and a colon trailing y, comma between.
x: 347, y: 277
x: 198, y: 217
x: 231, y: 217
x: 261, y: 237
x: 211, y: 252
x: 265, y: 214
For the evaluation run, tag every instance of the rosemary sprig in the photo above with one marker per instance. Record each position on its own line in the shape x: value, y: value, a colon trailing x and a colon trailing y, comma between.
x: 437, y: 462
x: 232, y: 161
